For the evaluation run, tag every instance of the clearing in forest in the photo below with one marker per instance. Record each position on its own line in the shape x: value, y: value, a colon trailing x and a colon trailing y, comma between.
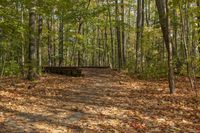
x: 101, y: 101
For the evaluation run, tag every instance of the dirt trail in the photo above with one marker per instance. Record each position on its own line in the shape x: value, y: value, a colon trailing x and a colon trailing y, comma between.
x: 100, y: 101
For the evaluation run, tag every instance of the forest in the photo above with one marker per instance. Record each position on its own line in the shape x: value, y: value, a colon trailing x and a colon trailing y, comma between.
x: 116, y: 66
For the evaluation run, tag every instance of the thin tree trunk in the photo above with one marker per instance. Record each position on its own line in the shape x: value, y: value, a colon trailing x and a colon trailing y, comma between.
x: 129, y: 30
x: 185, y: 42
x: 99, y: 46
x: 139, y: 30
x: 79, y: 51
x: 175, y: 44
x: 32, y: 44
x: 111, y: 35
x: 123, y: 34
x: 148, y: 12
x: 22, y: 45
x: 93, y: 47
x: 118, y: 35
x: 49, y: 24
x: 39, y: 56
x: 79, y: 32
x: 162, y: 6
x: 106, y: 44
x: 3, y: 64
x: 198, y: 21
x: 61, y: 39
x: 142, y: 30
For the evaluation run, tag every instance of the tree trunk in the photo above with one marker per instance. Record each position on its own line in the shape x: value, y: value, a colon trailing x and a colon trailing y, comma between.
x: 79, y: 51
x: 106, y: 45
x: 139, y: 32
x: 123, y: 34
x: 39, y: 56
x: 50, y: 47
x: 61, y: 39
x: 175, y: 41
x: 185, y: 42
x: 23, y: 41
x: 99, y: 46
x: 162, y: 6
x: 111, y: 35
x: 148, y: 12
x: 32, y: 45
x: 118, y: 35
x: 198, y: 21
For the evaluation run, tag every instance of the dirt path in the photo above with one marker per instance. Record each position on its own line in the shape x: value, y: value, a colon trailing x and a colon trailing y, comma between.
x: 101, y: 101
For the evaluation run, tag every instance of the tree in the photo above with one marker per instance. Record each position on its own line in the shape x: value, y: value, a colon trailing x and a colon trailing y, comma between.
x: 39, y: 42
x: 123, y: 33
x: 198, y: 21
x: 118, y: 34
x: 32, y: 43
x: 111, y: 34
x: 162, y: 6
x: 50, y: 46
x: 139, y: 32
x: 61, y: 39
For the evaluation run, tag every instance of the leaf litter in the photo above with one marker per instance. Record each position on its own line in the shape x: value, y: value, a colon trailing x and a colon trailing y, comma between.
x: 101, y: 101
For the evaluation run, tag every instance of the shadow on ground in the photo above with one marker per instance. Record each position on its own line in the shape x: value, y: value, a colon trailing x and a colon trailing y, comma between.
x: 101, y: 101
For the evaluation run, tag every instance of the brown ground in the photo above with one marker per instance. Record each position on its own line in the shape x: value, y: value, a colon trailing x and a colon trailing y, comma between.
x: 101, y: 101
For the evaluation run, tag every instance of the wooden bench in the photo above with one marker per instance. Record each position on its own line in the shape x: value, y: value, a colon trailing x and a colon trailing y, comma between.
x: 68, y: 71
x: 98, y: 67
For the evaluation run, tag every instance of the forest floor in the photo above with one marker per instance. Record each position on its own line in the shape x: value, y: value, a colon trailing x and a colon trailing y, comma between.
x: 101, y: 101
